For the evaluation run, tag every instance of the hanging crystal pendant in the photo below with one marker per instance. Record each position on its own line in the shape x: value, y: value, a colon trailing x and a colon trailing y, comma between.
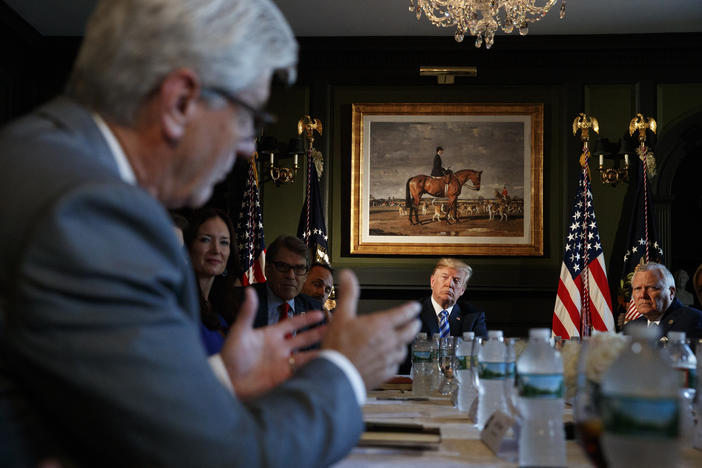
x: 524, y: 29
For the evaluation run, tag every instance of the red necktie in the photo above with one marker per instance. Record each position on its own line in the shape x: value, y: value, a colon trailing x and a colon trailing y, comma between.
x: 283, y: 310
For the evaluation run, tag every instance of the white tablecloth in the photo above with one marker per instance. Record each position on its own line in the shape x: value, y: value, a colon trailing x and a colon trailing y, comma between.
x: 460, y: 440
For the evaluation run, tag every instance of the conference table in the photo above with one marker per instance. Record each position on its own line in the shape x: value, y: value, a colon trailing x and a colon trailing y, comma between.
x: 460, y: 443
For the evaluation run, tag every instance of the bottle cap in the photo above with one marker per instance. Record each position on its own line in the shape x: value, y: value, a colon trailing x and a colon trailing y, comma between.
x: 676, y: 336
x: 421, y: 336
x: 468, y: 336
x: 436, y: 335
x: 541, y: 333
x: 494, y: 333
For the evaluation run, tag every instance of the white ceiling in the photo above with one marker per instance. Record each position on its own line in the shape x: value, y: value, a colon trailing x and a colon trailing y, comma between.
x: 392, y: 17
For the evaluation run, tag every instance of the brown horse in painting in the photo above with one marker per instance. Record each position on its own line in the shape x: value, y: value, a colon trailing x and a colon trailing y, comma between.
x: 448, y: 186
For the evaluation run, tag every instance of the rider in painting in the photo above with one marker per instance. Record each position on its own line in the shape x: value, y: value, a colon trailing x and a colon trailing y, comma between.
x: 438, y: 170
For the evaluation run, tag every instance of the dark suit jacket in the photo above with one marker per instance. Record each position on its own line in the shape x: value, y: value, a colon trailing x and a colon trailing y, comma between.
x: 303, y: 303
x: 101, y: 358
x: 464, y: 317
x: 678, y: 317
x: 437, y: 170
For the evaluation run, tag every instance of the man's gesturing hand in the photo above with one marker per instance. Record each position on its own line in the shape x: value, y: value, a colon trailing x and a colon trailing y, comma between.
x: 375, y: 343
x: 259, y: 359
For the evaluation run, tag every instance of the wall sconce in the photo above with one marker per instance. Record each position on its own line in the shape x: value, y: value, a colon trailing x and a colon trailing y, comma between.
x: 615, y: 173
x: 274, y: 155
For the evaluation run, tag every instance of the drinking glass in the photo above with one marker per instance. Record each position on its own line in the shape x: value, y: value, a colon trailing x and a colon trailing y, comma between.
x: 447, y: 363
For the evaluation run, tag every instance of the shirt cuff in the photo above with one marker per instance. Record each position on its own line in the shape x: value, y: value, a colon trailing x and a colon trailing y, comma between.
x: 342, y: 362
x: 217, y: 366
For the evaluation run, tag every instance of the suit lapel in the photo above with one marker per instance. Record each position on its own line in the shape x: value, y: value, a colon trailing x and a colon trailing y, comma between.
x: 455, y: 323
x: 299, y: 305
x: 261, y: 319
x: 429, y: 318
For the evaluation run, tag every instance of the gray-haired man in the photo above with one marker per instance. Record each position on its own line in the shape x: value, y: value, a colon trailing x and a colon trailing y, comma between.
x: 100, y: 357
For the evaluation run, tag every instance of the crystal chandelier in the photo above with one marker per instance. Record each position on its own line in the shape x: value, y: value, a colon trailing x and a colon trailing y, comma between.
x: 482, y: 18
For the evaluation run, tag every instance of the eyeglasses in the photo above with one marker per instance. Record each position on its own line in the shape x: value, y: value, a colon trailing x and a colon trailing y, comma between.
x: 286, y: 267
x: 260, y: 117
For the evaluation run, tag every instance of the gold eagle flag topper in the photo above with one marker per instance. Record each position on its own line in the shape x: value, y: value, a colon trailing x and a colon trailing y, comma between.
x: 308, y: 125
x: 584, y: 123
x: 641, y: 124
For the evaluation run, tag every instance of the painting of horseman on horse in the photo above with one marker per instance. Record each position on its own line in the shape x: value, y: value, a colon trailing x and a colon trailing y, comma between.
x: 414, y: 191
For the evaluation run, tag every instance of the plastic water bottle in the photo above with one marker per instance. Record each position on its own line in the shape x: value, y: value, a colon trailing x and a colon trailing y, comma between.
x: 511, y: 372
x: 683, y: 360
x: 697, y: 437
x: 467, y: 386
x: 541, y: 388
x: 491, y: 373
x: 640, y: 406
x: 421, y: 366
x: 418, y: 337
x: 436, y: 365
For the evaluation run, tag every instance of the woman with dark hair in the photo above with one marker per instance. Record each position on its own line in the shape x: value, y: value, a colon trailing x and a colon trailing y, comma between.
x: 208, y: 238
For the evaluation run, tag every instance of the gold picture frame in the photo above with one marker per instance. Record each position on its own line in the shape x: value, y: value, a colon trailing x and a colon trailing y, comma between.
x: 393, y: 142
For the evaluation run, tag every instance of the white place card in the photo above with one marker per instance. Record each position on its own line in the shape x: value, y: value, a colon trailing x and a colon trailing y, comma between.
x: 496, y: 431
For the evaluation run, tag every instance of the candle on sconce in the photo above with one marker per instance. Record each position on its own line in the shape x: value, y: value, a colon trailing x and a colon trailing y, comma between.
x: 272, y: 159
x: 626, y: 159
x: 295, y: 159
x: 601, y: 160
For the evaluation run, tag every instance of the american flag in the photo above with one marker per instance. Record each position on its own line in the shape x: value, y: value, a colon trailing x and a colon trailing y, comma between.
x: 249, y: 232
x: 583, y: 301
x: 642, y: 242
x: 312, y: 228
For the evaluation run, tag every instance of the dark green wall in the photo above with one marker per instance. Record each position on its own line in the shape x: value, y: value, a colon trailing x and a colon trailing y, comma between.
x: 610, y: 77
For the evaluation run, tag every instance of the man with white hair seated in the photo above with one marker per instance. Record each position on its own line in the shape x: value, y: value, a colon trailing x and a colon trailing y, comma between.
x: 653, y: 292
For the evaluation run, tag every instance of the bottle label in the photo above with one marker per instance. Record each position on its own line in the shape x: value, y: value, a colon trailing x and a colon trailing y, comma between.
x: 462, y: 362
x: 492, y: 370
x: 687, y: 377
x: 640, y: 417
x: 421, y: 356
x: 510, y: 368
x: 542, y: 386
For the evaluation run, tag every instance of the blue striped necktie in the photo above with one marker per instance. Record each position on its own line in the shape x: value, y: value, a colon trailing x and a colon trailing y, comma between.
x: 443, y: 324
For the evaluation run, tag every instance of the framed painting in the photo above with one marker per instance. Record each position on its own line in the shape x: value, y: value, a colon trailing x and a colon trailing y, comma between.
x: 447, y: 179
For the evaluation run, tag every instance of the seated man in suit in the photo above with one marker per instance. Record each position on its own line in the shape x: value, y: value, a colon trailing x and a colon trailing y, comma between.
x: 319, y: 285
x: 653, y: 291
x: 286, y: 269
x: 448, y: 283
x: 443, y: 312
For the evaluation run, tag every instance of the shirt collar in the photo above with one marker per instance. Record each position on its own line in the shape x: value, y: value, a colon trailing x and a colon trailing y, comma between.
x: 126, y: 172
x: 438, y: 308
